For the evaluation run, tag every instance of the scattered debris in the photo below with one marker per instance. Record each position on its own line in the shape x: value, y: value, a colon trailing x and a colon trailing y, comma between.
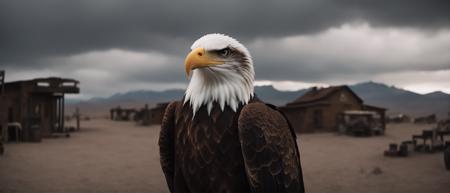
x: 361, y: 170
x: 392, y: 151
x: 430, y: 140
x: 377, y: 171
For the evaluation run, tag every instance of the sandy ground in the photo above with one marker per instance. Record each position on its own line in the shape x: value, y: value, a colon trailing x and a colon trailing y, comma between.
x: 121, y: 157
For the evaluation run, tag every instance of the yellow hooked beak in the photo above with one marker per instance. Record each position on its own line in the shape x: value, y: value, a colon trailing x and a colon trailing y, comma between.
x: 199, y: 58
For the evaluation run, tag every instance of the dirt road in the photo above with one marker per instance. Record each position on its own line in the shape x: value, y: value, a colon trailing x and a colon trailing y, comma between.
x: 121, y: 157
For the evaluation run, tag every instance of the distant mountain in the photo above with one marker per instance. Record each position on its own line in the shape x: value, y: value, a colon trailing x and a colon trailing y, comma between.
x: 396, y: 100
x: 140, y: 96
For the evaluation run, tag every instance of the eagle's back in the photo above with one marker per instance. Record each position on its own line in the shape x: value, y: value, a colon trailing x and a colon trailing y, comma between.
x: 207, y: 150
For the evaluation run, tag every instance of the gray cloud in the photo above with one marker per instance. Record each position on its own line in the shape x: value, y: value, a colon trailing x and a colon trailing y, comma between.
x: 34, y: 29
x: 356, y: 51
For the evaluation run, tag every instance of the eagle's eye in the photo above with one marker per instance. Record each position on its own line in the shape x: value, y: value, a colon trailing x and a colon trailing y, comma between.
x: 224, y: 52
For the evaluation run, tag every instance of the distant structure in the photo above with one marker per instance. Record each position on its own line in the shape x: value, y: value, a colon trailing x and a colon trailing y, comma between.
x: 398, y: 118
x: 426, y: 119
x: 151, y: 116
x: 32, y: 109
x: 322, y: 109
x: 144, y: 116
x: 122, y: 114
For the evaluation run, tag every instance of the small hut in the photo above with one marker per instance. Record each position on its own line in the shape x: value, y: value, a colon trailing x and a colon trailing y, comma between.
x: 34, y: 108
x: 157, y: 113
x: 151, y: 116
x: 320, y: 109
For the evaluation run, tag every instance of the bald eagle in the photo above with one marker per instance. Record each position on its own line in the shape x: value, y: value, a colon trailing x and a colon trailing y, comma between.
x: 220, y: 137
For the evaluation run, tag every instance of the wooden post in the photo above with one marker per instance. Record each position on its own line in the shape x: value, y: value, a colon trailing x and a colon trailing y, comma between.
x: 62, y: 113
x: 146, y: 116
x: 59, y: 114
x: 77, y: 116
x: 2, y: 81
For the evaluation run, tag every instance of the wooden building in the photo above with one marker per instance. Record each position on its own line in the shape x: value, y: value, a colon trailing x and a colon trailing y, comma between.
x: 36, y: 105
x: 319, y: 109
x: 151, y: 116
x: 157, y: 113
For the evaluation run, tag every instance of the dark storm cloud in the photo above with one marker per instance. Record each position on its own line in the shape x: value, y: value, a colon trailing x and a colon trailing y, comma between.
x: 30, y: 30
x: 141, y: 44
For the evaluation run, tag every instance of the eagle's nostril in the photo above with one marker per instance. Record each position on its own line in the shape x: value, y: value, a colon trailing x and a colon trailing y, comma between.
x: 200, y: 54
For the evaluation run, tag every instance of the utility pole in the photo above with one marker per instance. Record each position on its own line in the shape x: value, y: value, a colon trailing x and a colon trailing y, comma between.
x: 2, y: 82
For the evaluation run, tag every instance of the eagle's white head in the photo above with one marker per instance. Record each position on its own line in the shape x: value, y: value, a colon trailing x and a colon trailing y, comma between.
x: 222, y: 72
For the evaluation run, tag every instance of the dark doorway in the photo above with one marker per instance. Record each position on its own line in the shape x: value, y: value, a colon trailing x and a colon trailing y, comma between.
x: 13, y: 134
x: 10, y: 114
x: 318, y: 118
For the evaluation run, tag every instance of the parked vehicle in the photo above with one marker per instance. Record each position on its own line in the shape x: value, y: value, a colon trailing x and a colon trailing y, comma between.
x: 360, y: 123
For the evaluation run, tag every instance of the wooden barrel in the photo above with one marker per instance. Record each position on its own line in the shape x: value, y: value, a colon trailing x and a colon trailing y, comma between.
x: 393, y: 147
x: 403, y: 150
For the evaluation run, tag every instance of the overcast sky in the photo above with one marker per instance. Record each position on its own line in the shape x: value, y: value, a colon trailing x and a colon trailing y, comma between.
x: 116, y: 45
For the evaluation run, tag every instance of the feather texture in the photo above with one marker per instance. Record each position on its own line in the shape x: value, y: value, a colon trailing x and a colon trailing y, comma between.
x: 250, y: 150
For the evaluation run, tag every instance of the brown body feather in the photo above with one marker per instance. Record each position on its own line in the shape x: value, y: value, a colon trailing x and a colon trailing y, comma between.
x: 251, y: 150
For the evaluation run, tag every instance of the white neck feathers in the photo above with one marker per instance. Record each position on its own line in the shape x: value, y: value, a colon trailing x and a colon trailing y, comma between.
x: 221, y: 85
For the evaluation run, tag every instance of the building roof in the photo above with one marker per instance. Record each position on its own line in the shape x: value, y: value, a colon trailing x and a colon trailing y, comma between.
x: 47, y: 85
x: 317, y: 94
x: 48, y: 79
x: 305, y: 105
x: 371, y: 107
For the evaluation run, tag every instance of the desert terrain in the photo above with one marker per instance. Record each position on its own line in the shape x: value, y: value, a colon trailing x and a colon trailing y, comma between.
x: 108, y: 156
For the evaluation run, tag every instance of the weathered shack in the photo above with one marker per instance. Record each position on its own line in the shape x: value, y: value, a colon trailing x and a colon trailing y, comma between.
x: 157, y: 113
x: 36, y: 105
x: 151, y: 116
x: 319, y: 109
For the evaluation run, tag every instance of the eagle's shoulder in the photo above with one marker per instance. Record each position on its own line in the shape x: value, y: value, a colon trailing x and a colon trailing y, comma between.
x: 165, y: 142
x: 259, y: 114
x: 269, y: 149
x: 173, y: 106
